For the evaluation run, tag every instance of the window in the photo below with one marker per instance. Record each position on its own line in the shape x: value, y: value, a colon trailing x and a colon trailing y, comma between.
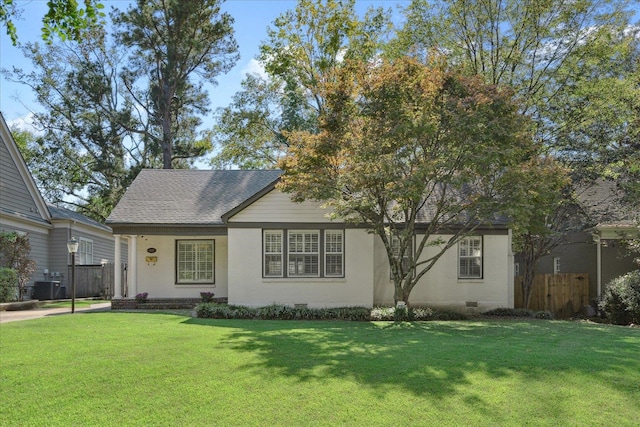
x: 516, y: 269
x: 303, y: 253
x: 85, y: 251
x: 272, y: 253
x: 194, y: 261
x: 395, y: 247
x: 333, y: 253
x: 556, y: 265
x: 470, y: 258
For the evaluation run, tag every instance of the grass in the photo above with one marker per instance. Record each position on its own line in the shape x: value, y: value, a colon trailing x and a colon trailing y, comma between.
x: 146, y: 369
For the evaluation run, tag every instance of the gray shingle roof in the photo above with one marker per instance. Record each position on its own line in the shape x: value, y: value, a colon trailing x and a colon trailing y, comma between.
x: 603, y: 202
x: 66, y: 214
x: 191, y: 197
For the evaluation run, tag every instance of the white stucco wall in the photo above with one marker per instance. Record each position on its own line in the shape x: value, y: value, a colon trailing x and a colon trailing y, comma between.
x: 248, y: 287
x: 440, y: 287
x: 159, y: 279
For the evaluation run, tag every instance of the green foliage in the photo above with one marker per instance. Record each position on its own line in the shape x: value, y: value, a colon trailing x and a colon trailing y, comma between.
x: 171, y: 43
x: 90, y: 149
x: 400, y: 141
x: 8, y: 284
x: 281, y: 312
x: 573, y: 64
x: 64, y: 18
x: 519, y: 312
x: 302, y: 50
x: 14, y: 254
x: 621, y: 300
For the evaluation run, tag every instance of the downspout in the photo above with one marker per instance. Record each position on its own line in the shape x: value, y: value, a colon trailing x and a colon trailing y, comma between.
x: 598, y: 240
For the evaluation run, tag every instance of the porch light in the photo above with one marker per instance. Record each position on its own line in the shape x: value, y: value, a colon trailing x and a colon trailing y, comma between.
x: 72, y: 245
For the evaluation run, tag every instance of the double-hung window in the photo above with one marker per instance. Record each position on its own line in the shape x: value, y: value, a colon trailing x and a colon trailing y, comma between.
x: 272, y: 251
x: 333, y: 253
x: 85, y: 251
x: 470, y: 257
x: 195, y: 261
x: 303, y: 253
x: 395, y: 249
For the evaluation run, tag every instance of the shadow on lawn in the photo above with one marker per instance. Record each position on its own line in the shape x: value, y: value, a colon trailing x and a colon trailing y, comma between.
x: 432, y: 358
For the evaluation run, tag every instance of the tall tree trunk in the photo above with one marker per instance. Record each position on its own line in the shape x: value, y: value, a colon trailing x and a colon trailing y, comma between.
x: 529, y: 273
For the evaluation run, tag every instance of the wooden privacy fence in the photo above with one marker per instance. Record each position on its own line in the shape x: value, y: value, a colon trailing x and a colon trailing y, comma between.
x: 96, y: 281
x: 564, y: 295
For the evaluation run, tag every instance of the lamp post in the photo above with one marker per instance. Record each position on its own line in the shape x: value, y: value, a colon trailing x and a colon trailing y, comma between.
x: 72, y: 245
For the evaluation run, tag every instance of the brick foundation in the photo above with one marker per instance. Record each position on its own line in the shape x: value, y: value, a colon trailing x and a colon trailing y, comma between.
x: 159, y: 303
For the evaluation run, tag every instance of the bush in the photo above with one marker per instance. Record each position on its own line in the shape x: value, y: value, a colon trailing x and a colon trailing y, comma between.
x: 416, y: 314
x: 142, y: 297
x: 8, y: 284
x: 207, y: 296
x: 509, y: 312
x: 621, y: 300
x: 519, y: 312
x: 281, y: 312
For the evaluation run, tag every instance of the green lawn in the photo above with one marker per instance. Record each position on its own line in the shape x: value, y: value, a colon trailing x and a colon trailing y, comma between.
x: 114, y: 368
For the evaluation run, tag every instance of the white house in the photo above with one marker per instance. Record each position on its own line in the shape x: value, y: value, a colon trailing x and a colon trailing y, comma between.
x: 235, y: 234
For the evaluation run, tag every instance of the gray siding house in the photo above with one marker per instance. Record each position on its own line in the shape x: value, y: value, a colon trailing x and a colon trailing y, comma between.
x: 49, y: 228
x: 599, y: 250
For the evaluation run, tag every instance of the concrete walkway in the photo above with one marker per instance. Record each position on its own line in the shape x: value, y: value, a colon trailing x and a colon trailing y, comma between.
x: 35, y: 313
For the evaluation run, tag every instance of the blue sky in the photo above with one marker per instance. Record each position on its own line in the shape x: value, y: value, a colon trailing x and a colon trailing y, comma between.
x: 252, y: 17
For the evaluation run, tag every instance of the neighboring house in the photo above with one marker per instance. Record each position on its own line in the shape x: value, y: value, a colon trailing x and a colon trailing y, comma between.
x: 49, y: 228
x: 599, y: 250
x: 235, y: 234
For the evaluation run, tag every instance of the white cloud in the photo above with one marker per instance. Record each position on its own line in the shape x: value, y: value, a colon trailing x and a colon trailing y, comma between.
x: 254, y: 67
x: 25, y: 123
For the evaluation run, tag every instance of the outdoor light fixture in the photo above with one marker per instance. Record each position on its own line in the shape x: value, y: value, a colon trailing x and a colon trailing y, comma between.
x: 72, y: 245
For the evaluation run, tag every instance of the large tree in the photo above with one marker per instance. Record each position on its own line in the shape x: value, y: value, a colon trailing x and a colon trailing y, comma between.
x: 412, y: 150
x: 567, y: 60
x: 552, y: 212
x: 88, y: 146
x: 174, y: 42
x: 570, y: 62
x: 301, y: 51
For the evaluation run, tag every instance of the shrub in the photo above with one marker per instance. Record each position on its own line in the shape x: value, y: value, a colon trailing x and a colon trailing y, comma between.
x: 621, y: 300
x: 142, y: 297
x: 8, y: 283
x: 509, y: 312
x: 546, y: 315
x: 519, y: 312
x: 207, y: 296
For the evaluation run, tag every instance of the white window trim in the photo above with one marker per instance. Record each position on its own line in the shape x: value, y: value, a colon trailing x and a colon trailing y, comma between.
x: 556, y: 265
x: 481, y: 257
x: 82, y: 255
x: 303, y: 253
x: 265, y: 253
x: 285, y: 276
x: 326, y: 252
x: 213, y: 262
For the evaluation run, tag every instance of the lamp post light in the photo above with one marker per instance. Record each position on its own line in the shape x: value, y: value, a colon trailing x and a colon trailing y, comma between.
x: 72, y: 245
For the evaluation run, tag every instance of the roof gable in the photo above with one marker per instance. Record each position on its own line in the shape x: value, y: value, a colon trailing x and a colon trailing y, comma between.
x: 187, y: 196
x: 19, y: 193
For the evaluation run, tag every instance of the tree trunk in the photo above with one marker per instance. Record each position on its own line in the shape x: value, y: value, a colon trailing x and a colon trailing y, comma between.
x: 529, y: 272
